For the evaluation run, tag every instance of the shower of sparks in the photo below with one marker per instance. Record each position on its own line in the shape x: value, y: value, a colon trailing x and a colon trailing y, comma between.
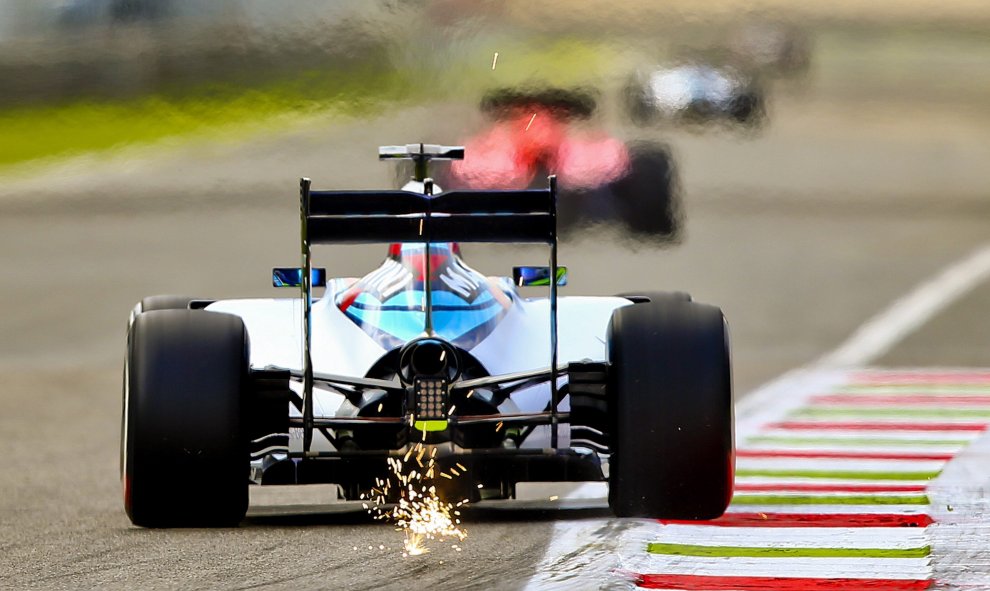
x: 420, y: 513
x: 495, y: 60
x: 530, y: 121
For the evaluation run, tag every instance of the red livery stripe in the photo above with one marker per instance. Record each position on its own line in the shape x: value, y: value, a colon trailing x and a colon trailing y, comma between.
x: 813, y: 520
x: 858, y: 426
x: 839, y: 455
x: 716, y: 583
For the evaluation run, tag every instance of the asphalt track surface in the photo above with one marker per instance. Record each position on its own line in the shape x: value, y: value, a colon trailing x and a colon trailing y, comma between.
x: 798, y: 256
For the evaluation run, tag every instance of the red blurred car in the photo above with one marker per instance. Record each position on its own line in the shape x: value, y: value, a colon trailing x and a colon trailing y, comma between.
x: 535, y: 133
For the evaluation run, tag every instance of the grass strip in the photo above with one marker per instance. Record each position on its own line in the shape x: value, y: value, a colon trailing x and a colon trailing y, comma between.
x: 234, y: 110
x: 32, y: 132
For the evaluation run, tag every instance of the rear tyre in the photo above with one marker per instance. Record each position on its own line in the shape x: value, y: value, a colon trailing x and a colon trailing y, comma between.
x: 748, y: 108
x: 647, y: 196
x: 185, y: 459
x: 670, y: 397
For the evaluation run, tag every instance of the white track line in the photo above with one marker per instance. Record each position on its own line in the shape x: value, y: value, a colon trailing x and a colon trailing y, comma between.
x: 927, y: 389
x: 799, y: 494
x: 852, y: 568
x: 910, y: 312
x: 908, y: 449
x: 827, y: 465
x: 579, y: 551
x: 920, y: 436
x: 831, y: 509
x: 824, y: 481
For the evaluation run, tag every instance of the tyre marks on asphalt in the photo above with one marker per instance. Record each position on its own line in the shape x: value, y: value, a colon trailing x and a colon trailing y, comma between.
x: 824, y: 504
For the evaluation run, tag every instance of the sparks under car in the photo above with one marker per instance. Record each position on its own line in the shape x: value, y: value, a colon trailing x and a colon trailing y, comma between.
x: 222, y: 395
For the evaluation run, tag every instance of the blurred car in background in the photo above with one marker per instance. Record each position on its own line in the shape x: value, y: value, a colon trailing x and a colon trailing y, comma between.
x: 772, y: 48
x: 89, y: 12
x: 534, y: 132
x: 696, y: 92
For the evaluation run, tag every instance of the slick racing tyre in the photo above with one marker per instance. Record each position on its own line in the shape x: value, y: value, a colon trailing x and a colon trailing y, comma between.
x: 748, y: 108
x: 671, y: 414
x: 158, y: 302
x: 646, y: 197
x: 184, y: 459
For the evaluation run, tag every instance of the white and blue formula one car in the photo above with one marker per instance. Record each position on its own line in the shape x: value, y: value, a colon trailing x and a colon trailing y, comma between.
x: 222, y: 395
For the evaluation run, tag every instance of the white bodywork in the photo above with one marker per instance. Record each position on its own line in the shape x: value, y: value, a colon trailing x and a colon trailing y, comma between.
x: 520, y: 342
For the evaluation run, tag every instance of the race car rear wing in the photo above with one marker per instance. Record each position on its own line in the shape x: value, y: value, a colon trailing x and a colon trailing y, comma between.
x: 361, y: 217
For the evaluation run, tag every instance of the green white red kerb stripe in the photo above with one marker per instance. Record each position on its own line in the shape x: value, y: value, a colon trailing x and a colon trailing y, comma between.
x: 835, y: 495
